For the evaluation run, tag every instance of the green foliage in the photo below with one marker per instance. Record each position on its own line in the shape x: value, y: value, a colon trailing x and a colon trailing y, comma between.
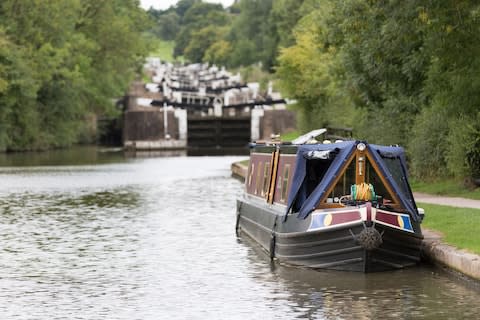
x: 405, y: 71
x: 463, y: 151
x: 310, y: 72
x: 283, y: 18
x: 61, y: 61
x: 218, y: 53
x: 166, y: 24
x: 198, y: 16
x: 249, y: 32
x: 201, y: 42
x: 289, y: 136
x: 250, y: 36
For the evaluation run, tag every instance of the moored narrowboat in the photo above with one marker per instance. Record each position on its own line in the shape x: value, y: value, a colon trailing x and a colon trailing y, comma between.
x: 344, y: 206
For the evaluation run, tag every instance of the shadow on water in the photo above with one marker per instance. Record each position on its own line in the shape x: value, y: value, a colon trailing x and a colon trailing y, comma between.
x: 118, y: 198
x: 218, y: 151
x: 93, y: 155
x: 155, y: 154
x: 80, y: 155
x: 422, y: 292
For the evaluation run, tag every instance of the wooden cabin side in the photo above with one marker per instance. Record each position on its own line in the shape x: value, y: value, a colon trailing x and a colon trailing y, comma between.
x: 270, y: 173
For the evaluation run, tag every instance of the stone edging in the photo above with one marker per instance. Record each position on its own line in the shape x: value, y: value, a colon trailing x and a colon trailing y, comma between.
x: 433, y: 249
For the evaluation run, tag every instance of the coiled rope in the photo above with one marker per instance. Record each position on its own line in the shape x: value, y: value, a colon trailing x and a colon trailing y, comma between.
x: 363, y: 192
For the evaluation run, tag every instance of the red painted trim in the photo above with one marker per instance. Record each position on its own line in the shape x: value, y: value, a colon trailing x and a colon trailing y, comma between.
x: 387, y: 218
x: 343, y: 217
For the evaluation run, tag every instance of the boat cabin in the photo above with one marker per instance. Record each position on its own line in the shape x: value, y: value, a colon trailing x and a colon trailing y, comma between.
x: 307, y: 177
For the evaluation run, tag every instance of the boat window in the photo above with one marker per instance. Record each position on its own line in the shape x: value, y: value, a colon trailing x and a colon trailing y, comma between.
x: 266, y: 178
x: 252, y: 169
x: 395, y: 167
x: 372, y: 177
x: 258, y: 184
x: 342, y: 187
x: 286, y: 173
x: 316, y: 169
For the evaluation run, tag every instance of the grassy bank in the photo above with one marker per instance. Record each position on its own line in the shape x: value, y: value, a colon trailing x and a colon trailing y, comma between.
x: 163, y: 50
x: 289, y: 136
x: 459, y: 226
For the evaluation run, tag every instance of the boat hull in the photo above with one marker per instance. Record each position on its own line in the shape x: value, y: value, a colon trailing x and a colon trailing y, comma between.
x: 337, y: 248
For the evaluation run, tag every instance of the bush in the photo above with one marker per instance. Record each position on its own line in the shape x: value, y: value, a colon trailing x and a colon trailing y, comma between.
x: 464, y: 147
x: 428, y: 145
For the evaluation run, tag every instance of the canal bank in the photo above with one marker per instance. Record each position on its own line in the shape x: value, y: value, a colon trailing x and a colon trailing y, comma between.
x: 434, y: 250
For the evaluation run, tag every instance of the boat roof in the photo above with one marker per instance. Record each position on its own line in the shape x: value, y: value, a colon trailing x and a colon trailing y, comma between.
x: 309, y: 136
x: 396, y: 175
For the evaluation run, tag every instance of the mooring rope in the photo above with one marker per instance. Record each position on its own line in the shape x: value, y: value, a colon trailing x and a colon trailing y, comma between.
x: 363, y: 191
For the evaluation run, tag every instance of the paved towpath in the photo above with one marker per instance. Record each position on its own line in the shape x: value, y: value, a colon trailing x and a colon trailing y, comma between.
x: 446, y: 201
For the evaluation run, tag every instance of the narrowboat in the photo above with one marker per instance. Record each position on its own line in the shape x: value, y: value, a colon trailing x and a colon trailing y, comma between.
x: 344, y: 206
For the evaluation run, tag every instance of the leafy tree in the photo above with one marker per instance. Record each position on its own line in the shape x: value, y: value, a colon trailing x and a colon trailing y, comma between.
x: 410, y: 68
x: 310, y: 71
x: 18, y: 118
x: 184, y: 5
x: 250, y: 36
x: 218, y: 53
x: 202, y: 40
x: 167, y: 25
x: 63, y: 60
x: 200, y: 15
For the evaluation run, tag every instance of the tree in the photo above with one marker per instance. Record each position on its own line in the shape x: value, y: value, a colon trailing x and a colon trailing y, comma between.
x: 64, y: 60
x: 167, y: 25
x: 200, y: 15
x: 249, y: 36
x: 310, y: 72
x: 201, y: 41
x: 218, y: 53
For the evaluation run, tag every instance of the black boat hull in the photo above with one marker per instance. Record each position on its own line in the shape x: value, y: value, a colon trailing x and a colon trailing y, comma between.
x: 337, y: 248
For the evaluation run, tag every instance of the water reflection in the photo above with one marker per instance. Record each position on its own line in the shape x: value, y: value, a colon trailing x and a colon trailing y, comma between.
x: 423, y: 292
x: 154, y: 153
x: 75, y: 156
x: 151, y: 238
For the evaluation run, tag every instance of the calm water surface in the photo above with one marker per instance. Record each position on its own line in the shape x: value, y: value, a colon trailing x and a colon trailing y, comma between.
x: 92, y: 235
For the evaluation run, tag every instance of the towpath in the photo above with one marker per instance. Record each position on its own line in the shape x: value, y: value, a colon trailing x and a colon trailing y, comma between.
x: 446, y: 201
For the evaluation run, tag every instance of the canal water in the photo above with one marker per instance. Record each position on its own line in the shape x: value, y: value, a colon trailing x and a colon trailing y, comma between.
x: 86, y: 234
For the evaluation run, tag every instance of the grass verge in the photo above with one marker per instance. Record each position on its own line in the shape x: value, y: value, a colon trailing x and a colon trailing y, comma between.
x: 163, y: 50
x: 459, y: 226
x: 289, y: 136
x: 446, y: 188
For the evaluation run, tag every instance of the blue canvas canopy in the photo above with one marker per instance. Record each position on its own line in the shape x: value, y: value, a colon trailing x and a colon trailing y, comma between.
x: 393, y: 166
x: 390, y: 160
x: 298, y: 191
